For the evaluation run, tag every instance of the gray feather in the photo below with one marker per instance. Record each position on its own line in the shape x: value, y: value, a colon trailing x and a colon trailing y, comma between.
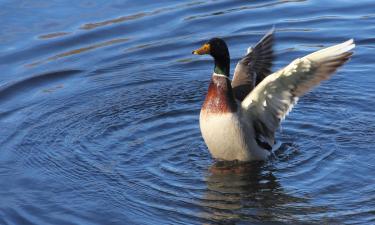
x: 253, y: 67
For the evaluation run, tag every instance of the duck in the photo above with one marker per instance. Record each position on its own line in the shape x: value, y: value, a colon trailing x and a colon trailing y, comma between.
x: 239, y: 116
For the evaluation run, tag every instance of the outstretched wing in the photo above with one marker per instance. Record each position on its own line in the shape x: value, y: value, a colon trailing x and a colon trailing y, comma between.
x: 253, y: 67
x: 274, y: 97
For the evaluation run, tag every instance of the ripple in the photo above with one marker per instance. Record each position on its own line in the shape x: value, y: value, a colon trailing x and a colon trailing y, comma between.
x: 102, y: 126
x: 137, y: 16
x: 12, y: 89
x: 79, y: 51
x: 53, y: 35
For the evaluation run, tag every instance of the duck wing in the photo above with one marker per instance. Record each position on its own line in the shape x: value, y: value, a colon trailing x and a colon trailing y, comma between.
x: 275, y: 96
x: 253, y: 67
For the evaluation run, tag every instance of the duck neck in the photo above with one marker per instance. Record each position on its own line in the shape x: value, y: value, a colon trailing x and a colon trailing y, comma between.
x: 222, y: 65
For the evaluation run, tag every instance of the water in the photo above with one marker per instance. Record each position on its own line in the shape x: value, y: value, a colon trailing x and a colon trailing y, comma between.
x: 99, y: 105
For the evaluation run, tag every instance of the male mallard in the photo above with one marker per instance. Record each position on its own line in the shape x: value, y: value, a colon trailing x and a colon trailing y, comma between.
x: 239, y: 118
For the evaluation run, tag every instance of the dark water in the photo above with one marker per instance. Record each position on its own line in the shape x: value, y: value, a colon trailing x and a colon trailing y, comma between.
x: 99, y: 105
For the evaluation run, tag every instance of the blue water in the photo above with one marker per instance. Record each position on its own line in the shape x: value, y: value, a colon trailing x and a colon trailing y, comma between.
x: 99, y: 107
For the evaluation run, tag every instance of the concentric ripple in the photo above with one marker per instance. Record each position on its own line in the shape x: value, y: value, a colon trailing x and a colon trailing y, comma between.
x: 99, y: 110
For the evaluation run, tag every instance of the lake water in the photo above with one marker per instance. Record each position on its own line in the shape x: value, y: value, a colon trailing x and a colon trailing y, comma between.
x: 99, y: 108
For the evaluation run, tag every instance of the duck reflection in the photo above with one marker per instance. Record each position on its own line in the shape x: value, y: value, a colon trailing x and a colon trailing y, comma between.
x: 244, y: 192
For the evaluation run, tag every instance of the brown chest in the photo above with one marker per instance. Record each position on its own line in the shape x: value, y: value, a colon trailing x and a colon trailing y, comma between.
x: 219, y: 98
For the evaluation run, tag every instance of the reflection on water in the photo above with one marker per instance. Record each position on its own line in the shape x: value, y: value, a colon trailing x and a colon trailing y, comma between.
x: 248, y: 192
x: 80, y: 50
x: 233, y: 189
x: 99, y: 110
x: 53, y: 35
x: 241, y: 8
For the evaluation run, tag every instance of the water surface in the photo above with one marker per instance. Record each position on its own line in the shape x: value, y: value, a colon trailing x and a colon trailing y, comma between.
x: 99, y: 107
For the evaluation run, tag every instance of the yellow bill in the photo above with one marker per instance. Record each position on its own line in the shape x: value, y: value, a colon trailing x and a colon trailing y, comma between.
x: 205, y: 49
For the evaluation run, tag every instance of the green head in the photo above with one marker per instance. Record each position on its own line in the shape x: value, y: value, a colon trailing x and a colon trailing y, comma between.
x: 218, y: 49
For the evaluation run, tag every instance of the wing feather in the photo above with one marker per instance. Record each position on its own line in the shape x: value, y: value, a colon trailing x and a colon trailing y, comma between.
x: 253, y: 67
x: 275, y: 96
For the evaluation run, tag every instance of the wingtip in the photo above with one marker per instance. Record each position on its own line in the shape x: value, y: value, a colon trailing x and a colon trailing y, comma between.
x: 271, y: 31
x: 349, y: 45
x: 273, y: 28
x: 352, y: 42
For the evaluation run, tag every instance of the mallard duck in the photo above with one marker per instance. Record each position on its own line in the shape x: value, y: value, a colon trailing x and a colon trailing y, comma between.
x: 239, y: 117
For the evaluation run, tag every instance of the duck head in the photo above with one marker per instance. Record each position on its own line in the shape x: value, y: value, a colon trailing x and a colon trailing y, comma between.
x: 218, y: 49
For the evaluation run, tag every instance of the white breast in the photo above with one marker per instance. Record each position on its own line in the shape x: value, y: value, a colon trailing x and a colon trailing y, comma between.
x: 229, y: 139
